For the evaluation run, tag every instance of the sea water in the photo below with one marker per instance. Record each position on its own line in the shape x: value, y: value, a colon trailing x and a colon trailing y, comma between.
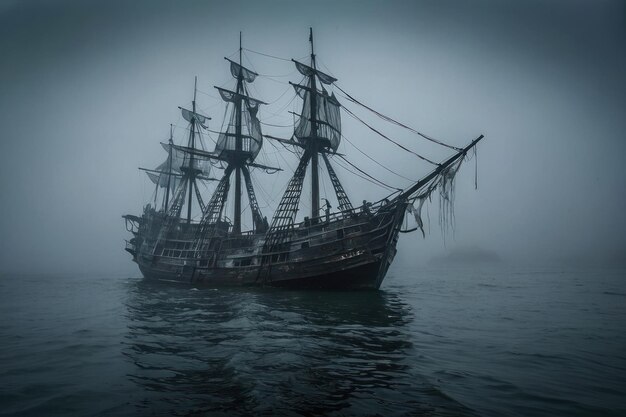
x: 463, y: 341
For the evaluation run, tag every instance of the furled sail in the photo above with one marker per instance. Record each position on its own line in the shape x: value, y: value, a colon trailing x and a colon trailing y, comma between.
x: 327, y: 116
x: 251, y: 135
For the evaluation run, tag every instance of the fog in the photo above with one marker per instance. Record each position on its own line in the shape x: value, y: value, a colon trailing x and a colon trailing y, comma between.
x: 88, y: 90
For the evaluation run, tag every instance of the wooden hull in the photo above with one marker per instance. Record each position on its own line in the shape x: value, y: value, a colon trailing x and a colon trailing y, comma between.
x: 364, y: 276
x: 352, y: 252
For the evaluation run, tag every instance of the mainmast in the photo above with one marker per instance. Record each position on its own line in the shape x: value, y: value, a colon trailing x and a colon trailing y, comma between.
x: 314, y: 142
x: 238, y: 146
x: 192, y: 172
x: 237, y: 156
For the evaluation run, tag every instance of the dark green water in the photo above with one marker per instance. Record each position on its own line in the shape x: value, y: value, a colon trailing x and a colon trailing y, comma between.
x: 492, y: 342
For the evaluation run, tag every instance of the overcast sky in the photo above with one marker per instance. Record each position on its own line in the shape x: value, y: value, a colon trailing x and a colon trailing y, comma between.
x: 88, y: 90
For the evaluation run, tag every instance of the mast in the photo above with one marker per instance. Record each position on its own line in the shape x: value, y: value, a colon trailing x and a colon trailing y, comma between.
x: 188, y: 167
x: 238, y: 146
x: 318, y: 130
x: 315, y: 186
x: 192, y: 145
x: 169, y: 171
x: 237, y: 156
x: 156, y: 193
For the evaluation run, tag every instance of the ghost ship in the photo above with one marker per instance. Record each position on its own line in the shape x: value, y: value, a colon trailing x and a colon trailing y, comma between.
x: 349, y: 248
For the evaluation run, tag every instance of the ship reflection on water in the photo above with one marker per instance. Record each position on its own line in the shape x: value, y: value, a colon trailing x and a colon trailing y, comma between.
x: 256, y: 351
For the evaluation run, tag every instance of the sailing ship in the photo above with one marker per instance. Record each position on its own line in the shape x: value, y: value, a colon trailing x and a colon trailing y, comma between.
x: 349, y: 248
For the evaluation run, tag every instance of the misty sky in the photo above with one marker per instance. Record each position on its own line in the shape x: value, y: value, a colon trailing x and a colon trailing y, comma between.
x: 88, y: 90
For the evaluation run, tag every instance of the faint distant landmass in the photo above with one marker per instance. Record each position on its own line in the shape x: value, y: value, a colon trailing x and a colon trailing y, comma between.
x: 466, y: 255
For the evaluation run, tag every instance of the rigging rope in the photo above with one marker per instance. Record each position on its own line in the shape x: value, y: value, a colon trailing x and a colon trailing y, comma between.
x: 390, y: 120
x: 274, y: 56
x: 390, y: 140
x: 280, y: 96
x: 273, y: 125
x: 368, y: 175
x: 363, y: 177
x: 267, y: 55
x: 210, y: 95
x: 279, y: 111
x: 375, y: 161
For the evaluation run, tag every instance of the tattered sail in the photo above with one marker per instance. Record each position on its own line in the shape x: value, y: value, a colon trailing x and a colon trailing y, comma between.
x: 175, y: 160
x: 161, y: 179
x: 327, y: 116
x: 310, y: 71
x: 236, y: 70
x: 251, y: 134
x: 192, y: 116
x: 233, y: 97
x: 168, y: 168
x: 181, y: 159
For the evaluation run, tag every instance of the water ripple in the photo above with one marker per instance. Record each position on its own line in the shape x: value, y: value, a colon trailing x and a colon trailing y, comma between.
x: 432, y: 343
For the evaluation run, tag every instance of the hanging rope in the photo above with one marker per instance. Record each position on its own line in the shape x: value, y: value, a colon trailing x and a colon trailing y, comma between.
x: 390, y: 140
x: 475, y: 168
x: 390, y: 120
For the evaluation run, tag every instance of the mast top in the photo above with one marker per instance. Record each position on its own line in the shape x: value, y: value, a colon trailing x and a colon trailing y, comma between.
x: 312, y: 50
x: 195, y: 89
x: 320, y: 119
x: 242, y: 140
